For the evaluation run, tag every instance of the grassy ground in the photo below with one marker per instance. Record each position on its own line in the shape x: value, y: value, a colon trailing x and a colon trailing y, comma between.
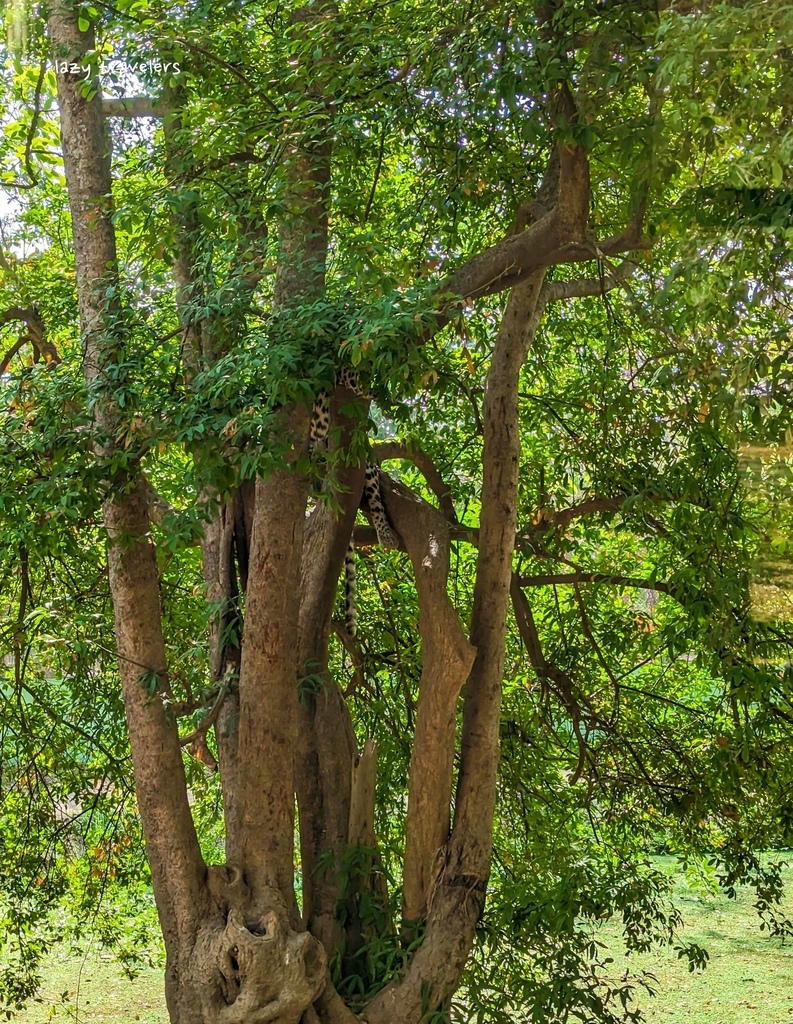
x: 94, y: 990
x: 749, y: 979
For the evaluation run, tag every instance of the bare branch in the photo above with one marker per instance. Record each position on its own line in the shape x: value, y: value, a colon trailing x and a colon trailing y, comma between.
x: 549, y: 673
x: 582, y: 287
x: 36, y: 335
x: 552, y: 579
x: 446, y: 661
x: 422, y: 461
x: 208, y: 721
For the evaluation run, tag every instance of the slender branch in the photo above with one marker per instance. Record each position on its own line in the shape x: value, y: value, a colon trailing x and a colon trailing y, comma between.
x: 16, y: 347
x: 34, y: 124
x: 582, y: 287
x: 589, y: 634
x: 208, y: 721
x: 630, y: 239
x: 55, y: 716
x: 376, y: 178
x: 551, y: 518
x: 30, y: 135
x: 549, y: 673
x: 662, y: 698
x: 548, y: 579
x: 36, y: 334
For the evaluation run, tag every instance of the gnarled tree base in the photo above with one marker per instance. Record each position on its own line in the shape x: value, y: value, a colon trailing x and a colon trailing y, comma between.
x: 247, y: 964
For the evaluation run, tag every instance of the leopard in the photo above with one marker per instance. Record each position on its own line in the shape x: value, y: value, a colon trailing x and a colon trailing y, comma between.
x: 371, y: 498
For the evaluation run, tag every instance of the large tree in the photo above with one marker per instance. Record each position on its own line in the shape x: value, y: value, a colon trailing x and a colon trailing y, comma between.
x: 451, y: 202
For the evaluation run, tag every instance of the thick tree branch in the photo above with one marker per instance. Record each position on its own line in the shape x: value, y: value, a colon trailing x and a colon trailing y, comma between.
x: 396, y: 450
x: 446, y: 661
x: 530, y: 539
x: 558, y: 236
x: 558, y: 233
x: 582, y: 287
x: 326, y: 737
x: 269, y: 709
x: 462, y: 867
x: 159, y: 508
x: 368, y: 881
x: 268, y: 681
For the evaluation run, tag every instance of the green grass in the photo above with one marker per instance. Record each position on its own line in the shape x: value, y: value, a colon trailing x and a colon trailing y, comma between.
x: 93, y: 989
x: 749, y: 979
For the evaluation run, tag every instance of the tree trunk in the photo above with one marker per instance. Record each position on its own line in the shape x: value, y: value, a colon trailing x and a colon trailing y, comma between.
x: 232, y: 955
x: 457, y: 891
x: 236, y: 949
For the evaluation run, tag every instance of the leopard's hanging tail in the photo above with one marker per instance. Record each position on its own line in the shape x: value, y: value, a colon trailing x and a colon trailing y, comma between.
x: 350, y: 607
x: 371, y: 499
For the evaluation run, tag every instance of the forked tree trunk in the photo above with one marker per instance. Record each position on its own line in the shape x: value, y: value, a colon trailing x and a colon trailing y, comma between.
x: 237, y: 951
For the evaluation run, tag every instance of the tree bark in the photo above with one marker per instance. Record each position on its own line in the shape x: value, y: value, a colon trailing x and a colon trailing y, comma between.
x: 457, y: 891
x: 177, y: 867
x: 268, y: 683
x: 446, y: 661
x: 327, y: 741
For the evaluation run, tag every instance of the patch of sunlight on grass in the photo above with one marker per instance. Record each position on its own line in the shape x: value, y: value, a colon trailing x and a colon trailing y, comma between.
x: 749, y: 977
x: 94, y: 989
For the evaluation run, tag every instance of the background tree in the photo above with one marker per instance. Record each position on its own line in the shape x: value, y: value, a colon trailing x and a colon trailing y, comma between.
x: 409, y: 192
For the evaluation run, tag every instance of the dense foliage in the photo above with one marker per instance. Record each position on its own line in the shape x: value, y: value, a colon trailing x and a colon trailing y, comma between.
x: 648, y: 687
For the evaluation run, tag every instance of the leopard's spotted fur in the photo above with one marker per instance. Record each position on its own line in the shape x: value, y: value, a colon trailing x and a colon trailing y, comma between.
x: 371, y: 499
